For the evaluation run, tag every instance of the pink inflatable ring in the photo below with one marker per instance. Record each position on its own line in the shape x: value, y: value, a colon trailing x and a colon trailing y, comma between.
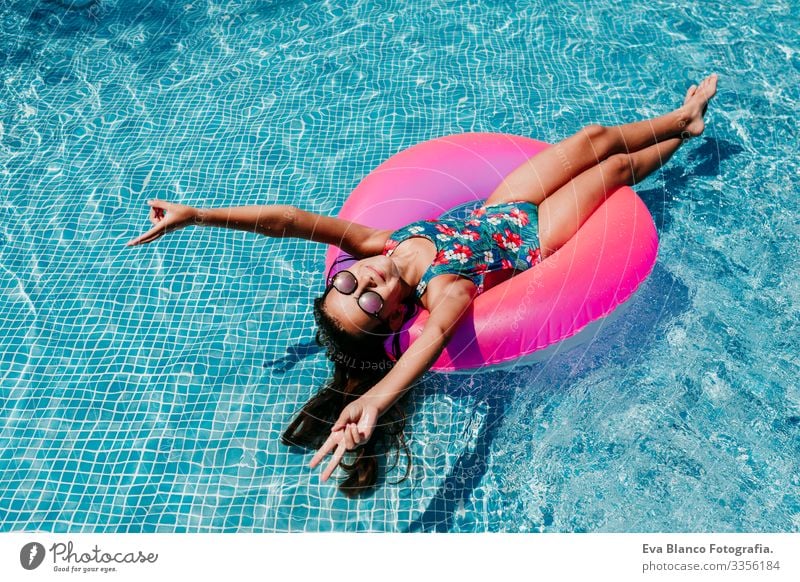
x: 509, y: 323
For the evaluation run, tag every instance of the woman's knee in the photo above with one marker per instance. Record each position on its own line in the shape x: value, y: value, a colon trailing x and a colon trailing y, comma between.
x: 619, y: 168
x: 595, y: 132
x: 601, y: 140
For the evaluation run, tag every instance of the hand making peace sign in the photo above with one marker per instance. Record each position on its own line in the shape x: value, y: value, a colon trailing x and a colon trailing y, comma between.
x: 353, y: 429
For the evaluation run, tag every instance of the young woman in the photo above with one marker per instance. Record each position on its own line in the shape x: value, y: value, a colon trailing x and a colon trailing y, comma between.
x: 439, y: 265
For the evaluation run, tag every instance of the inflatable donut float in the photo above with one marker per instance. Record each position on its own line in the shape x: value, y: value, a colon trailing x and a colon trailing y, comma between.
x: 511, y: 322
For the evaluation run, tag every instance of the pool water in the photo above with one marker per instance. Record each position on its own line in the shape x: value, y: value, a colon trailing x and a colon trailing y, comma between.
x: 145, y: 389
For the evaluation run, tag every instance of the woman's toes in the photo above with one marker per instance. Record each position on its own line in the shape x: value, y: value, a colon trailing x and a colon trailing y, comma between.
x: 709, y: 86
x: 696, y: 104
x: 689, y: 93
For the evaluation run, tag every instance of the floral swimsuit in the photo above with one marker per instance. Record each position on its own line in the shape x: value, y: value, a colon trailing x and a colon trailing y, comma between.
x: 490, y: 238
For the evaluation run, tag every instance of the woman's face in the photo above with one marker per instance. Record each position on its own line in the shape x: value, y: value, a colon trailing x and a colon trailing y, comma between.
x: 379, y: 274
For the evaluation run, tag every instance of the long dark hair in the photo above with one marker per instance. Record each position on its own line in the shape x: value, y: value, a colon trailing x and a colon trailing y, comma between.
x: 359, y: 362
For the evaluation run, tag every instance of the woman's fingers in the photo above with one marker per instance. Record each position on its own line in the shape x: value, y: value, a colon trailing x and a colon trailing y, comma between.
x: 157, y: 210
x: 161, y: 226
x: 156, y: 214
x: 348, y: 437
x: 342, y: 421
x: 356, y: 436
x: 342, y: 441
x: 326, y: 448
x: 151, y: 235
x: 158, y: 203
x: 165, y: 217
x: 337, y: 456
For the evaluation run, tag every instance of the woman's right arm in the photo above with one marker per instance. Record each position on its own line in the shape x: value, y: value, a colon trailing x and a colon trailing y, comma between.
x: 270, y: 220
x: 275, y: 220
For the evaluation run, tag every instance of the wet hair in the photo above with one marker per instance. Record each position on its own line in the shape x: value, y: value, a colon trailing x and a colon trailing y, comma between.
x: 359, y: 362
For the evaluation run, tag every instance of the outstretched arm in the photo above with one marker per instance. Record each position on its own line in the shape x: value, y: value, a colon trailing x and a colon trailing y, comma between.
x: 359, y: 418
x: 280, y: 220
x: 274, y: 220
x: 447, y: 309
x: 270, y: 220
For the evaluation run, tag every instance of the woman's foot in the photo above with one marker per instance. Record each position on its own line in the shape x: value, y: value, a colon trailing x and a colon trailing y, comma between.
x: 696, y: 103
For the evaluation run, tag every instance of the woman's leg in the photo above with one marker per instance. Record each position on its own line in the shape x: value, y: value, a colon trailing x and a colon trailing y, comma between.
x: 546, y: 172
x: 563, y: 212
x: 566, y: 209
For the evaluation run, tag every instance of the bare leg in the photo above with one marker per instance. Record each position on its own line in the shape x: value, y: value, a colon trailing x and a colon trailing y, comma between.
x: 646, y: 161
x: 543, y: 174
x: 564, y: 211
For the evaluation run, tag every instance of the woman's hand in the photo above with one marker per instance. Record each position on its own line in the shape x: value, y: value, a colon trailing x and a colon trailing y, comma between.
x: 353, y: 429
x: 165, y: 217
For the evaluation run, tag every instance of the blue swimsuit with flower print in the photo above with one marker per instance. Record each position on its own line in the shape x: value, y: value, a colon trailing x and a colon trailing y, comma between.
x: 490, y: 238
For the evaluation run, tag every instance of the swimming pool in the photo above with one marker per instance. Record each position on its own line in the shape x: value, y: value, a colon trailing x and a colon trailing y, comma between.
x: 144, y: 389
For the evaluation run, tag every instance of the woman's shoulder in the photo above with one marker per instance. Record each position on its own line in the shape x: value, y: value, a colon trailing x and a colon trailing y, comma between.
x: 376, y: 242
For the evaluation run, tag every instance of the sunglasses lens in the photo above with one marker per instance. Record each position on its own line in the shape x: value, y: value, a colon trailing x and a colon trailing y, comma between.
x: 345, y: 282
x: 370, y: 302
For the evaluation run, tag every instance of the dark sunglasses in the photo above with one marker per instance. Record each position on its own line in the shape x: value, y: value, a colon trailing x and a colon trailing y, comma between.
x: 369, y: 301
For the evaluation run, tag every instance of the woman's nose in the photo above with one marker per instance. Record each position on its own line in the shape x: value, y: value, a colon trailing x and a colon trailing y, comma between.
x: 370, y: 276
x: 365, y: 281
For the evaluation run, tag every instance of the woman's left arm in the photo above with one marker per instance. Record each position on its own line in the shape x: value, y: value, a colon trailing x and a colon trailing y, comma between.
x: 447, y: 309
x: 359, y: 418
